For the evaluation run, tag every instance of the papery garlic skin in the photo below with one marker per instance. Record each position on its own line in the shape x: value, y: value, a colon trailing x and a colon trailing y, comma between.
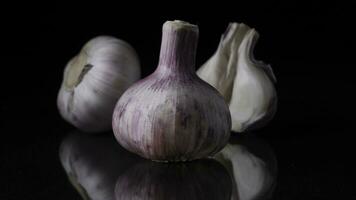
x: 172, y: 115
x: 246, y: 84
x: 94, y: 80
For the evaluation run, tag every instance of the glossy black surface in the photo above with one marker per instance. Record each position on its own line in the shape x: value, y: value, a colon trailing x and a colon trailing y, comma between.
x: 98, y: 168
x: 310, y: 47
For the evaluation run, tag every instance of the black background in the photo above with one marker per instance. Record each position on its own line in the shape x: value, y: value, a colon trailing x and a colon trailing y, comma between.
x: 309, y: 45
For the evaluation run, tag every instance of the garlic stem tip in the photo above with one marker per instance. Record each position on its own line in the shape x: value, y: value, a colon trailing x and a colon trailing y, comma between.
x: 179, y: 24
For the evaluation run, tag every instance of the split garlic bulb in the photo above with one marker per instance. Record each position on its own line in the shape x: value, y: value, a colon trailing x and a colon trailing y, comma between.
x: 93, y: 164
x: 246, y: 84
x: 253, y: 166
x: 94, y: 80
x: 173, y: 115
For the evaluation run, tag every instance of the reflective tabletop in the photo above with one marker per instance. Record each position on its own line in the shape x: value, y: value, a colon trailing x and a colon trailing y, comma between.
x: 99, y: 169
x: 305, y: 152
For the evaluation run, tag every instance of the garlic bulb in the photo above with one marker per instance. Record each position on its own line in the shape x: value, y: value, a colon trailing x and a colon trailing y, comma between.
x: 253, y: 166
x: 94, y: 80
x: 197, y: 180
x: 172, y: 115
x: 93, y: 164
x: 246, y: 84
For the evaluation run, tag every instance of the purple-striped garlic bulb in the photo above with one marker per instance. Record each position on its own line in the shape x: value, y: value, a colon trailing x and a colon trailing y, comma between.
x: 173, y: 115
x: 94, y: 80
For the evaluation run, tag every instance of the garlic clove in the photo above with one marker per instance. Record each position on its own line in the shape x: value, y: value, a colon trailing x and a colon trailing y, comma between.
x: 222, y: 77
x: 246, y: 84
x: 172, y: 115
x: 93, y: 163
x: 94, y: 80
x: 252, y: 164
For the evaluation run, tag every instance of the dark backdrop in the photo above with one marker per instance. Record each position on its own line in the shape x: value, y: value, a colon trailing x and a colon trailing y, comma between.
x: 309, y: 45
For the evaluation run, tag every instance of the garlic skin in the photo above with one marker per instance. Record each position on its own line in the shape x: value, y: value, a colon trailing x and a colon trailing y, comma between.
x: 93, y: 163
x: 172, y: 115
x: 253, y: 166
x: 246, y: 84
x: 94, y: 80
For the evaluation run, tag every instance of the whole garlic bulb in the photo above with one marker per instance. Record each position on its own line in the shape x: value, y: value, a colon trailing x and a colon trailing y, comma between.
x: 172, y: 115
x: 246, y: 84
x: 94, y: 80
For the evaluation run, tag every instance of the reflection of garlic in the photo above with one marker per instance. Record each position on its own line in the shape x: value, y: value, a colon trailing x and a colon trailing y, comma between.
x: 94, y: 80
x: 93, y: 163
x: 246, y: 84
x: 253, y: 166
x: 203, y: 179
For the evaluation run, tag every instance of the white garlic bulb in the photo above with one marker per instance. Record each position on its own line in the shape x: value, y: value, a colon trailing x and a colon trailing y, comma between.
x: 253, y: 166
x: 246, y: 84
x: 94, y: 80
